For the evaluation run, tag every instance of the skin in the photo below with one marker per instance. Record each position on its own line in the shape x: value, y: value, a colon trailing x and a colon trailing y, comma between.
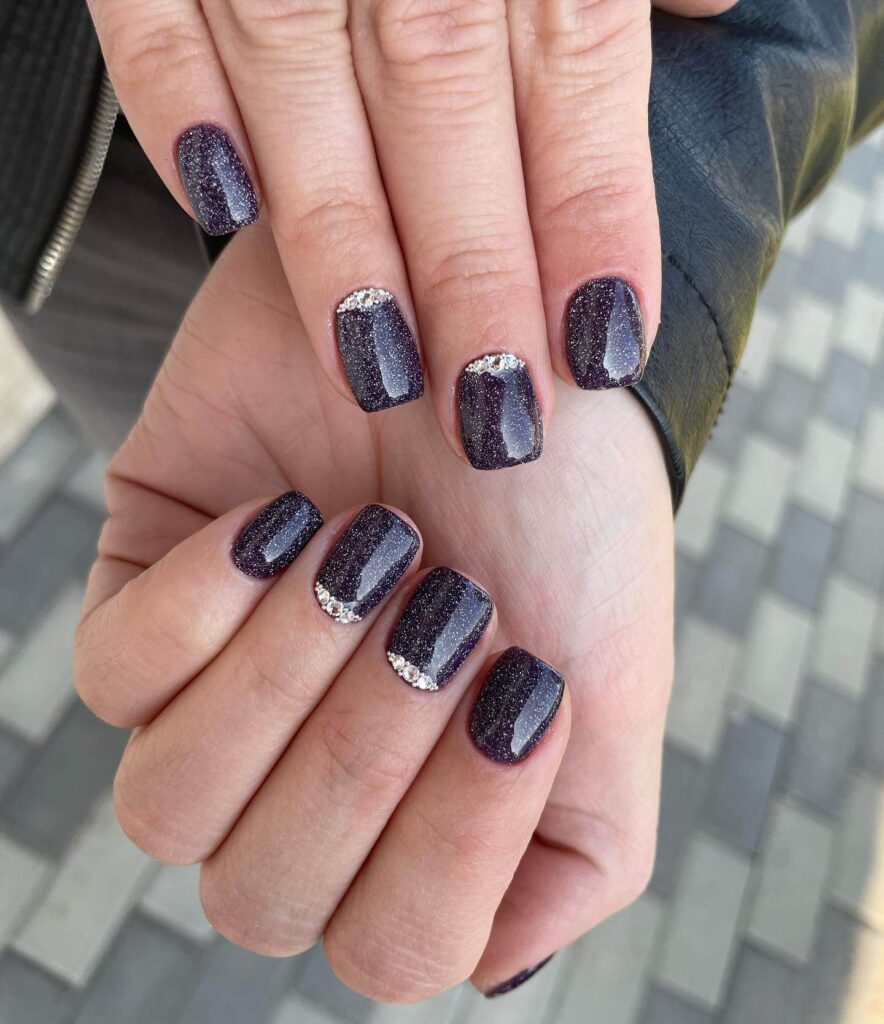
x: 323, y: 797
x: 481, y: 159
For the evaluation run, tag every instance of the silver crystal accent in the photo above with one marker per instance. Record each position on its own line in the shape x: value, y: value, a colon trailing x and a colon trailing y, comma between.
x: 333, y: 607
x: 494, y: 362
x: 365, y: 298
x: 410, y: 673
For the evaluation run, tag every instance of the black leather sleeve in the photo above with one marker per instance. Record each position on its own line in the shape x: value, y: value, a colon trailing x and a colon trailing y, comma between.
x: 751, y: 113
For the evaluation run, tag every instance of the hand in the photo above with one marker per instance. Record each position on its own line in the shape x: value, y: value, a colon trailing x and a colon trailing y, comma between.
x: 483, y: 163
x: 576, y: 551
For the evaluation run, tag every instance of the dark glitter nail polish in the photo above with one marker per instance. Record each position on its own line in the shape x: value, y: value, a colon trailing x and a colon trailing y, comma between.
x: 276, y: 536
x: 441, y: 624
x: 517, y: 702
x: 378, y: 351
x: 605, y: 335
x: 517, y: 979
x: 500, y: 423
x: 365, y: 564
x: 215, y: 179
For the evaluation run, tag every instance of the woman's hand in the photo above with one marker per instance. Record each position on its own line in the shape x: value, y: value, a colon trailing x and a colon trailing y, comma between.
x: 369, y: 818
x: 475, y: 169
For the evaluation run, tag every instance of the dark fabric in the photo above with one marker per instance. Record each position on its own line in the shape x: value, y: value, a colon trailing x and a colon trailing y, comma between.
x: 750, y: 114
x: 50, y: 70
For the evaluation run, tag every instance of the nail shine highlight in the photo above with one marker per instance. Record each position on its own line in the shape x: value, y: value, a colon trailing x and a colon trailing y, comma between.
x: 276, y: 536
x: 216, y: 181
x: 605, y: 335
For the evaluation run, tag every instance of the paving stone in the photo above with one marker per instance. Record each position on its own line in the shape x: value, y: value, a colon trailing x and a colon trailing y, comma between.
x: 861, y: 547
x: 687, y: 572
x: 58, y: 543
x: 319, y: 983
x: 761, y: 485
x: 822, y: 747
x: 816, y: 273
x: 870, y: 466
x: 705, y: 657
x: 861, y: 323
x: 7, y: 645
x: 696, y: 520
x: 860, y: 168
x: 664, y: 1007
x: 96, y: 884
x: 37, y: 685
x: 764, y: 991
x: 67, y: 774
x: 731, y: 580
x: 845, y: 983
x: 799, y: 570
x: 823, y: 472
x: 871, y: 736
x: 606, y: 983
x: 755, y: 365
x: 770, y: 673
x: 734, y: 423
x: 44, y: 459
x: 87, y: 484
x: 701, y: 936
x: 782, y: 283
x: 857, y: 882
x: 842, y: 644
x: 173, y: 898
x: 795, y: 860
x: 807, y: 334
x: 14, y: 751
x: 742, y: 779
x: 680, y: 794
x: 144, y: 979
x: 28, y: 995
x: 294, y: 1009
x: 22, y: 872
x: 845, y: 385
x: 842, y: 214
x: 786, y: 405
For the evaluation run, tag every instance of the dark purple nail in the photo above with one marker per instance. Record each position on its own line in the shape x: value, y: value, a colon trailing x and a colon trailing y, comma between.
x: 215, y: 179
x: 366, y: 563
x: 605, y: 335
x: 276, y: 536
x: 517, y: 979
x: 441, y: 625
x: 516, y: 705
x: 378, y: 351
x: 500, y: 422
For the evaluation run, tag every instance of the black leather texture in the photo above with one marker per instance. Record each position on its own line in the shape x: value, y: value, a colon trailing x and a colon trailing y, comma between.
x: 750, y: 114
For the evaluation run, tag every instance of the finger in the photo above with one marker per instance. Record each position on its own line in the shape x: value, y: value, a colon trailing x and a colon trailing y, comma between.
x: 186, y: 777
x: 146, y: 633
x: 291, y: 70
x: 437, y: 85
x: 695, y: 8
x: 175, y: 94
x: 416, y: 919
x: 582, y: 75
x: 276, y: 880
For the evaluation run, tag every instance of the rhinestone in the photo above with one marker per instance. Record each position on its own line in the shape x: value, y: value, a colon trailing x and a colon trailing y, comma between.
x: 398, y: 662
x: 496, y: 362
x: 512, y: 362
x: 425, y: 683
x: 411, y: 674
x: 335, y: 607
x: 323, y: 595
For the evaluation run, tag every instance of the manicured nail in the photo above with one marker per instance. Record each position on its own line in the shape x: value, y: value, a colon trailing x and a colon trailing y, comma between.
x: 500, y: 423
x: 378, y: 351
x: 215, y: 179
x: 365, y: 564
x: 516, y: 705
x: 441, y: 624
x: 517, y: 979
x: 276, y: 536
x: 605, y: 335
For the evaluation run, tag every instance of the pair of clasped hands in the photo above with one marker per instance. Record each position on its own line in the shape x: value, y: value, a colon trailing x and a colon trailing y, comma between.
x: 340, y: 719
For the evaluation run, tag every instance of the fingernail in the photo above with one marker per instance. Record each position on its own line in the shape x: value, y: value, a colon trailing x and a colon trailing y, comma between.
x: 441, y: 624
x: 500, y: 423
x: 276, y: 536
x: 605, y: 335
x: 215, y: 179
x: 517, y: 979
x: 365, y: 564
x: 516, y: 705
x: 378, y: 351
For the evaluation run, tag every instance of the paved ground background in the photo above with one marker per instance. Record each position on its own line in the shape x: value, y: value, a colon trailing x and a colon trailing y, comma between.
x: 767, y: 904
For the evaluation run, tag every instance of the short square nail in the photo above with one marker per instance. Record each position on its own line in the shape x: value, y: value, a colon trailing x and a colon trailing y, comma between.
x: 605, y: 335
x: 216, y: 180
x: 366, y: 563
x: 500, y: 422
x: 441, y: 625
x: 378, y: 351
x: 276, y: 536
x: 517, y: 979
x: 516, y: 705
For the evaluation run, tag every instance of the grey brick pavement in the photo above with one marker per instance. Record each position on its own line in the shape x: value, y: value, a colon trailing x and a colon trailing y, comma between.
x: 767, y: 901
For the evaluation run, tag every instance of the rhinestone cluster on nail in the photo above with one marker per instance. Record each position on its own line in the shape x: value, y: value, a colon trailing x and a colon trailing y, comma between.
x: 494, y: 363
x: 410, y: 673
x: 332, y: 606
x: 365, y: 298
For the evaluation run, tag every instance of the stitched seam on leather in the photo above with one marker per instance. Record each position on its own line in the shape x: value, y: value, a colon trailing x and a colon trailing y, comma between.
x: 731, y: 367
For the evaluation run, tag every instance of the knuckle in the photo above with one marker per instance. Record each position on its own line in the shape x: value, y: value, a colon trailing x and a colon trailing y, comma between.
x: 484, y: 269
x: 349, y: 756
x: 141, y: 52
x: 96, y: 673
x: 599, y: 32
x: 275, y: 24
x: 611, y: 191
x: 147, y: 821
x: 338, y: 220
x: 268, y: 671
